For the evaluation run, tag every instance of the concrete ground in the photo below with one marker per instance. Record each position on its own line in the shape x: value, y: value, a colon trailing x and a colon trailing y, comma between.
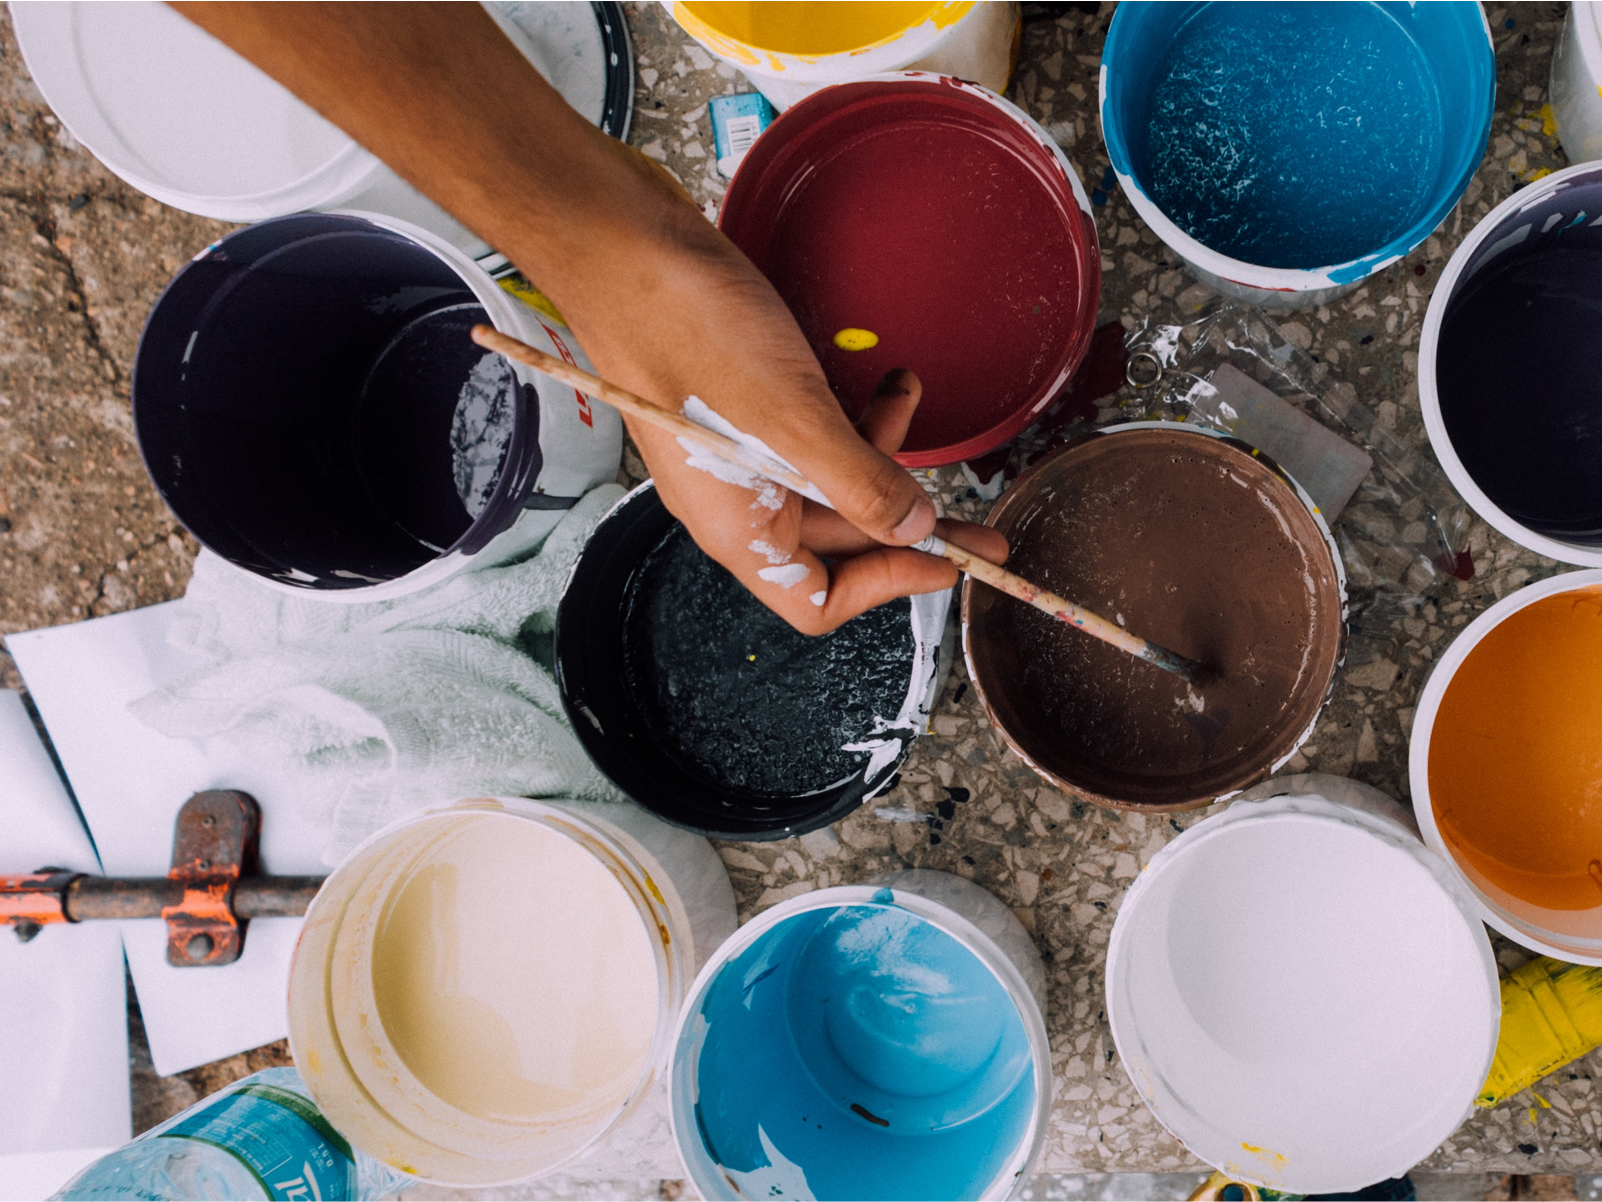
x: 83, y: 533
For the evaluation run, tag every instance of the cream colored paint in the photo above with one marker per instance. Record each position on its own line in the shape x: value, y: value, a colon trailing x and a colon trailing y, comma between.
x: 514, y: 975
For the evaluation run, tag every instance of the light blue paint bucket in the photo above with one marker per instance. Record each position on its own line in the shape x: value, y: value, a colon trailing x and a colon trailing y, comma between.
x: 877, y: 1041
x: 1287, y: 151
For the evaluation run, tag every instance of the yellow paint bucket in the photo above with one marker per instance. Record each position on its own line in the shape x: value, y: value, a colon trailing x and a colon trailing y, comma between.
x: 790, y: 50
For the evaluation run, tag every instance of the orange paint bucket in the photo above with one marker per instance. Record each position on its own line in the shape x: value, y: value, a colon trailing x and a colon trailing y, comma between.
x: 1506, y: 764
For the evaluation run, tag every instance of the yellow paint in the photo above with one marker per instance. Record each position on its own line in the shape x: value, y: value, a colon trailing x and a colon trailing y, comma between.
x: 1538, y: 173
x: 1548, y: 122
x: 1532, y: 1116
x: 1545, y: 1105
x: 1264, y: 1153
x: 532, y: 297
x: 1551, y: 1014
x: 514, y: 976
x: 747, y: 30
x: 853, y: 339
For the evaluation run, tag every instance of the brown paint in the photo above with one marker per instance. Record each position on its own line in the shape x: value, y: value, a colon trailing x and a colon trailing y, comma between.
x: 1200, y: 546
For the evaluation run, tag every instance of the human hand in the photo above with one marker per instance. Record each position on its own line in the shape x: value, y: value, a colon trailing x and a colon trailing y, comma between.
x: 729, y: 340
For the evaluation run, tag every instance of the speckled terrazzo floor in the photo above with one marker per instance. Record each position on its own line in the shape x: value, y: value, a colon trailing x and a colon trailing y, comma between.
x: 82, y: 533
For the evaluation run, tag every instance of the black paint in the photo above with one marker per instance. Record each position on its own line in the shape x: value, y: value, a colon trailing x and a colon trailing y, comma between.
x: 614, y: 693
x: 1519, y: 372
x: 738, y: 696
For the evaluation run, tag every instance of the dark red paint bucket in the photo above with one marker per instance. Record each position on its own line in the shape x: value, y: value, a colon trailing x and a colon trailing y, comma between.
x: 944, y: 220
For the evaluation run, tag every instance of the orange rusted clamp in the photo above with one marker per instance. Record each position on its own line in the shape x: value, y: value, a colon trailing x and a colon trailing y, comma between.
x: 206, y: 898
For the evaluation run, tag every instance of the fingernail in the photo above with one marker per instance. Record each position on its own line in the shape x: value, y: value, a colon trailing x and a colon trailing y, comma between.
x: 916, y: 524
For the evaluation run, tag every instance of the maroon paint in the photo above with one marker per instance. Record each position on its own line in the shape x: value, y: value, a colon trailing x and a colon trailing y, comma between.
x: 919, y: 211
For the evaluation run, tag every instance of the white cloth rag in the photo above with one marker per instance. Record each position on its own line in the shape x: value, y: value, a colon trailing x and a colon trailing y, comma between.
x: 377, y: 709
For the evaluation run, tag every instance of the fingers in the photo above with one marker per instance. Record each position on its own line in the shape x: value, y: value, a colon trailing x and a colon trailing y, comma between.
x: 890, y: 410
x: 826, y: 533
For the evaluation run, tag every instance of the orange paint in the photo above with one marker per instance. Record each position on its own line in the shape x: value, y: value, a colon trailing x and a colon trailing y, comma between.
x: 1515, y: 759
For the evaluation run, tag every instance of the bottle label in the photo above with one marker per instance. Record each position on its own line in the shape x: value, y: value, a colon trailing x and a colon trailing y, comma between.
x: 278, y: 1136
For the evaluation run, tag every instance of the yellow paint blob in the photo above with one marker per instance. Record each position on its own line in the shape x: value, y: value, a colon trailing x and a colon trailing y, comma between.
x: 853, y: 339
x: 816, y: 27
x: 1515, y: 761
x: 1551, y: 1015
x: 515, y: 977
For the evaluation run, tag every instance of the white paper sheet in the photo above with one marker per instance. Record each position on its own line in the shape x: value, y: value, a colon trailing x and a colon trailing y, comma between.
x: 130, y: 782
x: 29, y: 1176
x: 63, y: 1004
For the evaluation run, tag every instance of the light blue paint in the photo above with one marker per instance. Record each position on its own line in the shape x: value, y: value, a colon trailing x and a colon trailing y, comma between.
x: 1299, y: 135
x: 865, y: 1006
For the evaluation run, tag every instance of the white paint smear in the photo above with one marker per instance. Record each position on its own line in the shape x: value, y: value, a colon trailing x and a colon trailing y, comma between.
x: 769, y: 494
x: 786, y: 575
x: 819, y: 597
x: 769, y: 551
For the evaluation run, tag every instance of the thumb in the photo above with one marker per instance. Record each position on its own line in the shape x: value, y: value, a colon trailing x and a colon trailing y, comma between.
x: 866, y: 487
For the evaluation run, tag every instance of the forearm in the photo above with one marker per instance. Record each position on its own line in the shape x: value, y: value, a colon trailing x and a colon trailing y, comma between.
x: 439, y: 93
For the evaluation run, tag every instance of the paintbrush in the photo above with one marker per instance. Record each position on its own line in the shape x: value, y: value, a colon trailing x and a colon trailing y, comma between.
x: 727, y: 448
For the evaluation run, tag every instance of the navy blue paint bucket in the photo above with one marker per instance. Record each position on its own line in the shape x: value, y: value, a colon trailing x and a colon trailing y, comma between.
x: 1510, y: 367
x: 1288, y: 150
x: 310, y: 405
x: 867, y: 1041
x: 711, y: 712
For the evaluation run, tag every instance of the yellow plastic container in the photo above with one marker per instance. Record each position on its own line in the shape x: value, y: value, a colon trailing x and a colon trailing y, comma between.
x: 1551, y: 1014
x: 791, y: 49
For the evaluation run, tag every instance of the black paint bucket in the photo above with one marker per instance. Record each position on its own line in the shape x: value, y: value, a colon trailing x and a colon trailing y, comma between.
x: 310, y: 405
x: 710, y: 711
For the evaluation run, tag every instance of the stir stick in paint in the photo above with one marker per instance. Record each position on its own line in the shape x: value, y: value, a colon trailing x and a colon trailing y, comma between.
x: 742, y: 456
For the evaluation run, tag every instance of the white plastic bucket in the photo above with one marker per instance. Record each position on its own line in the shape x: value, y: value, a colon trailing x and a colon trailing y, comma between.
x: 259, y: 464
x: 1452, y: 43
x: 1576, y: 83
x: 1300, y: 993
x: 181, y: 117
x: 1574, y: 935
x: 867, y: 1041
x: 1545, y: 218
x: 972, y: 40
x: 484, y: 990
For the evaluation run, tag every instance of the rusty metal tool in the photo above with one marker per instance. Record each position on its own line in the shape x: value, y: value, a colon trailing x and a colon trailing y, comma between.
x: 206, y: 898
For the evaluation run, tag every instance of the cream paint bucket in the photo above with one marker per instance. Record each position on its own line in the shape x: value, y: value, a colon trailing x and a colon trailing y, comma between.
x: 788, y: 51
x: 1535, y: 708
x: 884, y: 1040
x: 1301, y: 992
x: 484, y: 990
x: 1576, y: 84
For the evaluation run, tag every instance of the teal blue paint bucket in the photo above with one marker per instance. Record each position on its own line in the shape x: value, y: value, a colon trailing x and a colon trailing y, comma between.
x: 1287, y: 151
x: 868, y: 1041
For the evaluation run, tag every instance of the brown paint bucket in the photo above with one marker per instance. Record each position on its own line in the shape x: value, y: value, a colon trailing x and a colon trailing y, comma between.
x: 1198, y: 542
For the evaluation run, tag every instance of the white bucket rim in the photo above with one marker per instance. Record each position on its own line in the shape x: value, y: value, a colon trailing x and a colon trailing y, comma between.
x: 669, y: 960
x: 941, y: 917
x: 1418, y: 759
x: 1256, y: 811
x: 1273, y: 279
x: 1429, y: 347
x: 895, y: 50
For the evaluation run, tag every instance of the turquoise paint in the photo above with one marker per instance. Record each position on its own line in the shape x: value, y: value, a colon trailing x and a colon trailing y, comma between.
x: 1299, y: 135
x: 859, y: 1052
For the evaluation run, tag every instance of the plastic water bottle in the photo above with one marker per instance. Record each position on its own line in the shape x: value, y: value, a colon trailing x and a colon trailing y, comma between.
x: 261, y: 1137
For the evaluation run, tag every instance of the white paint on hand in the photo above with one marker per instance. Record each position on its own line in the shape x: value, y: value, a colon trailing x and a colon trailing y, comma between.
x: 773, y: 554
x: 819, y: 597
x: 786, y: 575
x: 769, y: 494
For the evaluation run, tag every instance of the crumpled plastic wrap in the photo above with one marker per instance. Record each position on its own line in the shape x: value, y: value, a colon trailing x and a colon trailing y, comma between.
x: 1404, y: 531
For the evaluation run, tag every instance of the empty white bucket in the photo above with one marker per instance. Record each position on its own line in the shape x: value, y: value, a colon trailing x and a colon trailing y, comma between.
x: 1576, y: 83
x: 484, y: 990
x: 1301, y: 993
x: 181, y: 117
x: 867, y: 1041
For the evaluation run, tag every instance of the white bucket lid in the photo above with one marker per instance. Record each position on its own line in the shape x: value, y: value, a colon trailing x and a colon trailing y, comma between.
x: 1301, y: 995
x: 183, y: 118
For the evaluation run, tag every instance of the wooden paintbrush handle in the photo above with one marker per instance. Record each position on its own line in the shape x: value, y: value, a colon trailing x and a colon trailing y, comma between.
x: 1059, y: 607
